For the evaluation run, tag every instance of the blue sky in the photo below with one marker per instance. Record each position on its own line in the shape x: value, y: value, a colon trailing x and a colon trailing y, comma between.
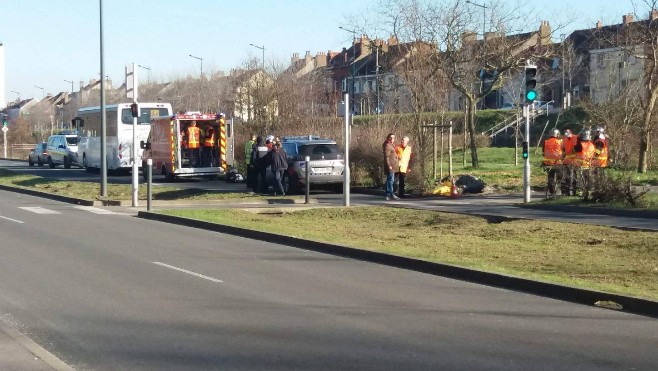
x: 47, y: 42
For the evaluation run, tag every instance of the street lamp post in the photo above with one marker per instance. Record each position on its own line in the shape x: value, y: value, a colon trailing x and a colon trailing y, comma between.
x: 484, y: 43
x: 103, y: 133
x: 353, y: 90
x: 262, y: 48
x: 70, y: 82
x: 149, y: 73
x: 201, y: 60
x: 43, y: 91
x: 17, y: 93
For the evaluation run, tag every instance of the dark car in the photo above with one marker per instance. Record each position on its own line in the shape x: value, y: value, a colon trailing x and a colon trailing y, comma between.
x: 326, y: 164
x: 38, y: 155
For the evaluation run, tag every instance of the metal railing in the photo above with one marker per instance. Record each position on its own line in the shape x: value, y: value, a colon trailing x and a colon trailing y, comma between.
x: 17, y: 151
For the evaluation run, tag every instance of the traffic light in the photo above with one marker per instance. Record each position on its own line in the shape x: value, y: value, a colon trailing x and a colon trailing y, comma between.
x: 530, y: 83
x: 525, y: 150
x: 134, y: 110
x: 4, y: 120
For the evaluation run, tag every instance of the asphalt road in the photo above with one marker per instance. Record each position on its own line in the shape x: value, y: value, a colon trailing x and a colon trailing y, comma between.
x: 103, y: 290
x: 77, y: 174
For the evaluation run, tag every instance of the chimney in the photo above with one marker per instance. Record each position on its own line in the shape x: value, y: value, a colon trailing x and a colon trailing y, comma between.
x: 295, y: 58
x: 654, y: 14
x: 469, y: 37
x: 307, y: 57
x: 393, y: 40
x: 626, y: 19
x: 545, y: 33
x: 599, y: 25
x: 320, y: 59
x: 82, y: 85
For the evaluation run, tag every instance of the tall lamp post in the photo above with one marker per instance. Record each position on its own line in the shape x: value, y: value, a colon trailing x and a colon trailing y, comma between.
x: 70, y: 82
x: 43, y: 91
x: 17, y: 93
x: 103, y: 110
x: 149, y: 73
x: 353, y: 90
x: 201, y: 60
x: 262, y: 48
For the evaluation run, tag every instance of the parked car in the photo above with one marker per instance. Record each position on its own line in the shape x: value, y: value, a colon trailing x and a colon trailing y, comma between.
x: 63, y: 149
x: 326, y: 164
x: 38, y: 155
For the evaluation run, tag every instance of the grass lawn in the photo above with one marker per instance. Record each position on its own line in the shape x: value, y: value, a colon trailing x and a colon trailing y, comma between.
x: 595, y: 257
x: 91, y: 190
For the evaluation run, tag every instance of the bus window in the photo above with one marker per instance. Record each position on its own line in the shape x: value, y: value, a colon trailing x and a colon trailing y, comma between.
x: 145, y: 115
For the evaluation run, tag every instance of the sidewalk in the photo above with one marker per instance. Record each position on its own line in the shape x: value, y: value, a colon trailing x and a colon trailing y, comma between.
x: 18, y: 352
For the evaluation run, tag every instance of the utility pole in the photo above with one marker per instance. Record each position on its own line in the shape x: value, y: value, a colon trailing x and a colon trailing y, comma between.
x: 103, y: 118
x: 353, y: 90
x: 70, y: 82
x: 262, y: 48
x: 201, y: 60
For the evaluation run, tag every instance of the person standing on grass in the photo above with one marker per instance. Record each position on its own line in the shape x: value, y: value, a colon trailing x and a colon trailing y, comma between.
x: 279, y: 166
x: 391, y: 165
x: 405, y: 156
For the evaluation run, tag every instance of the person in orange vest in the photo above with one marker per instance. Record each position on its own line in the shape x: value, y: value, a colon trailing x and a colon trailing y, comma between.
x: 405, y: 155
x: 553, y: 160
x: 193, y: 138
x: 568, y: 142
x: 208, y: 145
x: 584, y: 151
x: 601, y: 153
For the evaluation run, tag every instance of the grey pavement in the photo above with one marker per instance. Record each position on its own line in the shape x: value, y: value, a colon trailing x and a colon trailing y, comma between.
x: 104, y: 290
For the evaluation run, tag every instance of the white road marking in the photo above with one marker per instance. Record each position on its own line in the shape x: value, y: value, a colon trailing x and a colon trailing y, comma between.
x: 94, y: 210
x: 39, y: 210
x: 189, y: 272
x: 13, y: 220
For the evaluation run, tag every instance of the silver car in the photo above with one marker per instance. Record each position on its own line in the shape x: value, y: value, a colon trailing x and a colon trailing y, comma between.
x: 38, y: 155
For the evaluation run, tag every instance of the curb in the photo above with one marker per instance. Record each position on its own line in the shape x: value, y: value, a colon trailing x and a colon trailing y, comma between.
x: 571, y: 294
x: 594, y: 210
x: 231, y: 201
x: 66, y: 199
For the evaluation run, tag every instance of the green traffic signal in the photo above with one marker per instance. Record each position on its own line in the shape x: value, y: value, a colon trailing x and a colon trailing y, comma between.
x: 524, y: 147
x: 530, y: 84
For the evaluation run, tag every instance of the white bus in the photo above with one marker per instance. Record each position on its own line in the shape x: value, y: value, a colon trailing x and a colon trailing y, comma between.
x: 119, y: 133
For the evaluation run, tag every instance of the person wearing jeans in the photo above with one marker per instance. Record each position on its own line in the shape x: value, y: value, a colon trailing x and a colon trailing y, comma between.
x: 391, y: 165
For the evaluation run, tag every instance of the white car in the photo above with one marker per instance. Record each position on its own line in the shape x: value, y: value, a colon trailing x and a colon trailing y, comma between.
x: 63, y: 150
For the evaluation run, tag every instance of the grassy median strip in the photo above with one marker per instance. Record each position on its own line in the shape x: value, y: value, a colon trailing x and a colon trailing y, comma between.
x: 91, y: 190
x: 594, y: 257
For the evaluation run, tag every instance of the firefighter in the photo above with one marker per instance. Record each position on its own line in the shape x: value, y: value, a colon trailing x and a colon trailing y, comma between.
x: 553, y: 161
x: 568, y: 179
x: 248, y: 149
x: 208, y: 145
x: 600, y: 160
x: 193, y: 137
x: 584, y: 151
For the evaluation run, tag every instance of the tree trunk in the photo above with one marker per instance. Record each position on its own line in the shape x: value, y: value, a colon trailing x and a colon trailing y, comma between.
x: 645, y: 135
x: 471, y: 131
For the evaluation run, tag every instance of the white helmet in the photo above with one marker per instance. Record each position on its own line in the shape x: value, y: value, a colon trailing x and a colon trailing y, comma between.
x: 586, y: 135
x: 270, y: 138
x: 555, y: 133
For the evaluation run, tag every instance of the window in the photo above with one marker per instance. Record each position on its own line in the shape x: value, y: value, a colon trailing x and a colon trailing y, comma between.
x: 145, y: 115
x: 72, y: 141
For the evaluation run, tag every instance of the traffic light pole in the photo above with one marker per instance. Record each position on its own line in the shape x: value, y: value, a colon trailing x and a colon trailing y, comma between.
x: 526, y: 161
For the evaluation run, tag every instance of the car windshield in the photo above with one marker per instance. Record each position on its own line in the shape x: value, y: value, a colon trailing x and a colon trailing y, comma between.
x: 319, y: 151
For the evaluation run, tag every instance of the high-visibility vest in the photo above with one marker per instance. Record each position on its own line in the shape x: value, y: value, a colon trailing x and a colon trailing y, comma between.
x: 209, y: 140
x: 584, y: 157
x: 193, y: 134
x: 600, y: 158
x: 569, y: 154
x: 552, y: 151
x: 404, y: 157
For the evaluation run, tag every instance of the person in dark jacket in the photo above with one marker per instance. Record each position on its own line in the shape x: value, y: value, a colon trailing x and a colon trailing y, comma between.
x: 259, y: 160
x: 279, y: 167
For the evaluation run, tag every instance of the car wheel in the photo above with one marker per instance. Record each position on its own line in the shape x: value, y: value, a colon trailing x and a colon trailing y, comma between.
x: 51, y: 164
x: 84, y: 164
x: 29, y: 161
x: 67, y: 163
x: 39, y: 162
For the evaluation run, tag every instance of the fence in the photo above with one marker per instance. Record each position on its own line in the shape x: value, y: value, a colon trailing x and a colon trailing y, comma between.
x: 17, y: 151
